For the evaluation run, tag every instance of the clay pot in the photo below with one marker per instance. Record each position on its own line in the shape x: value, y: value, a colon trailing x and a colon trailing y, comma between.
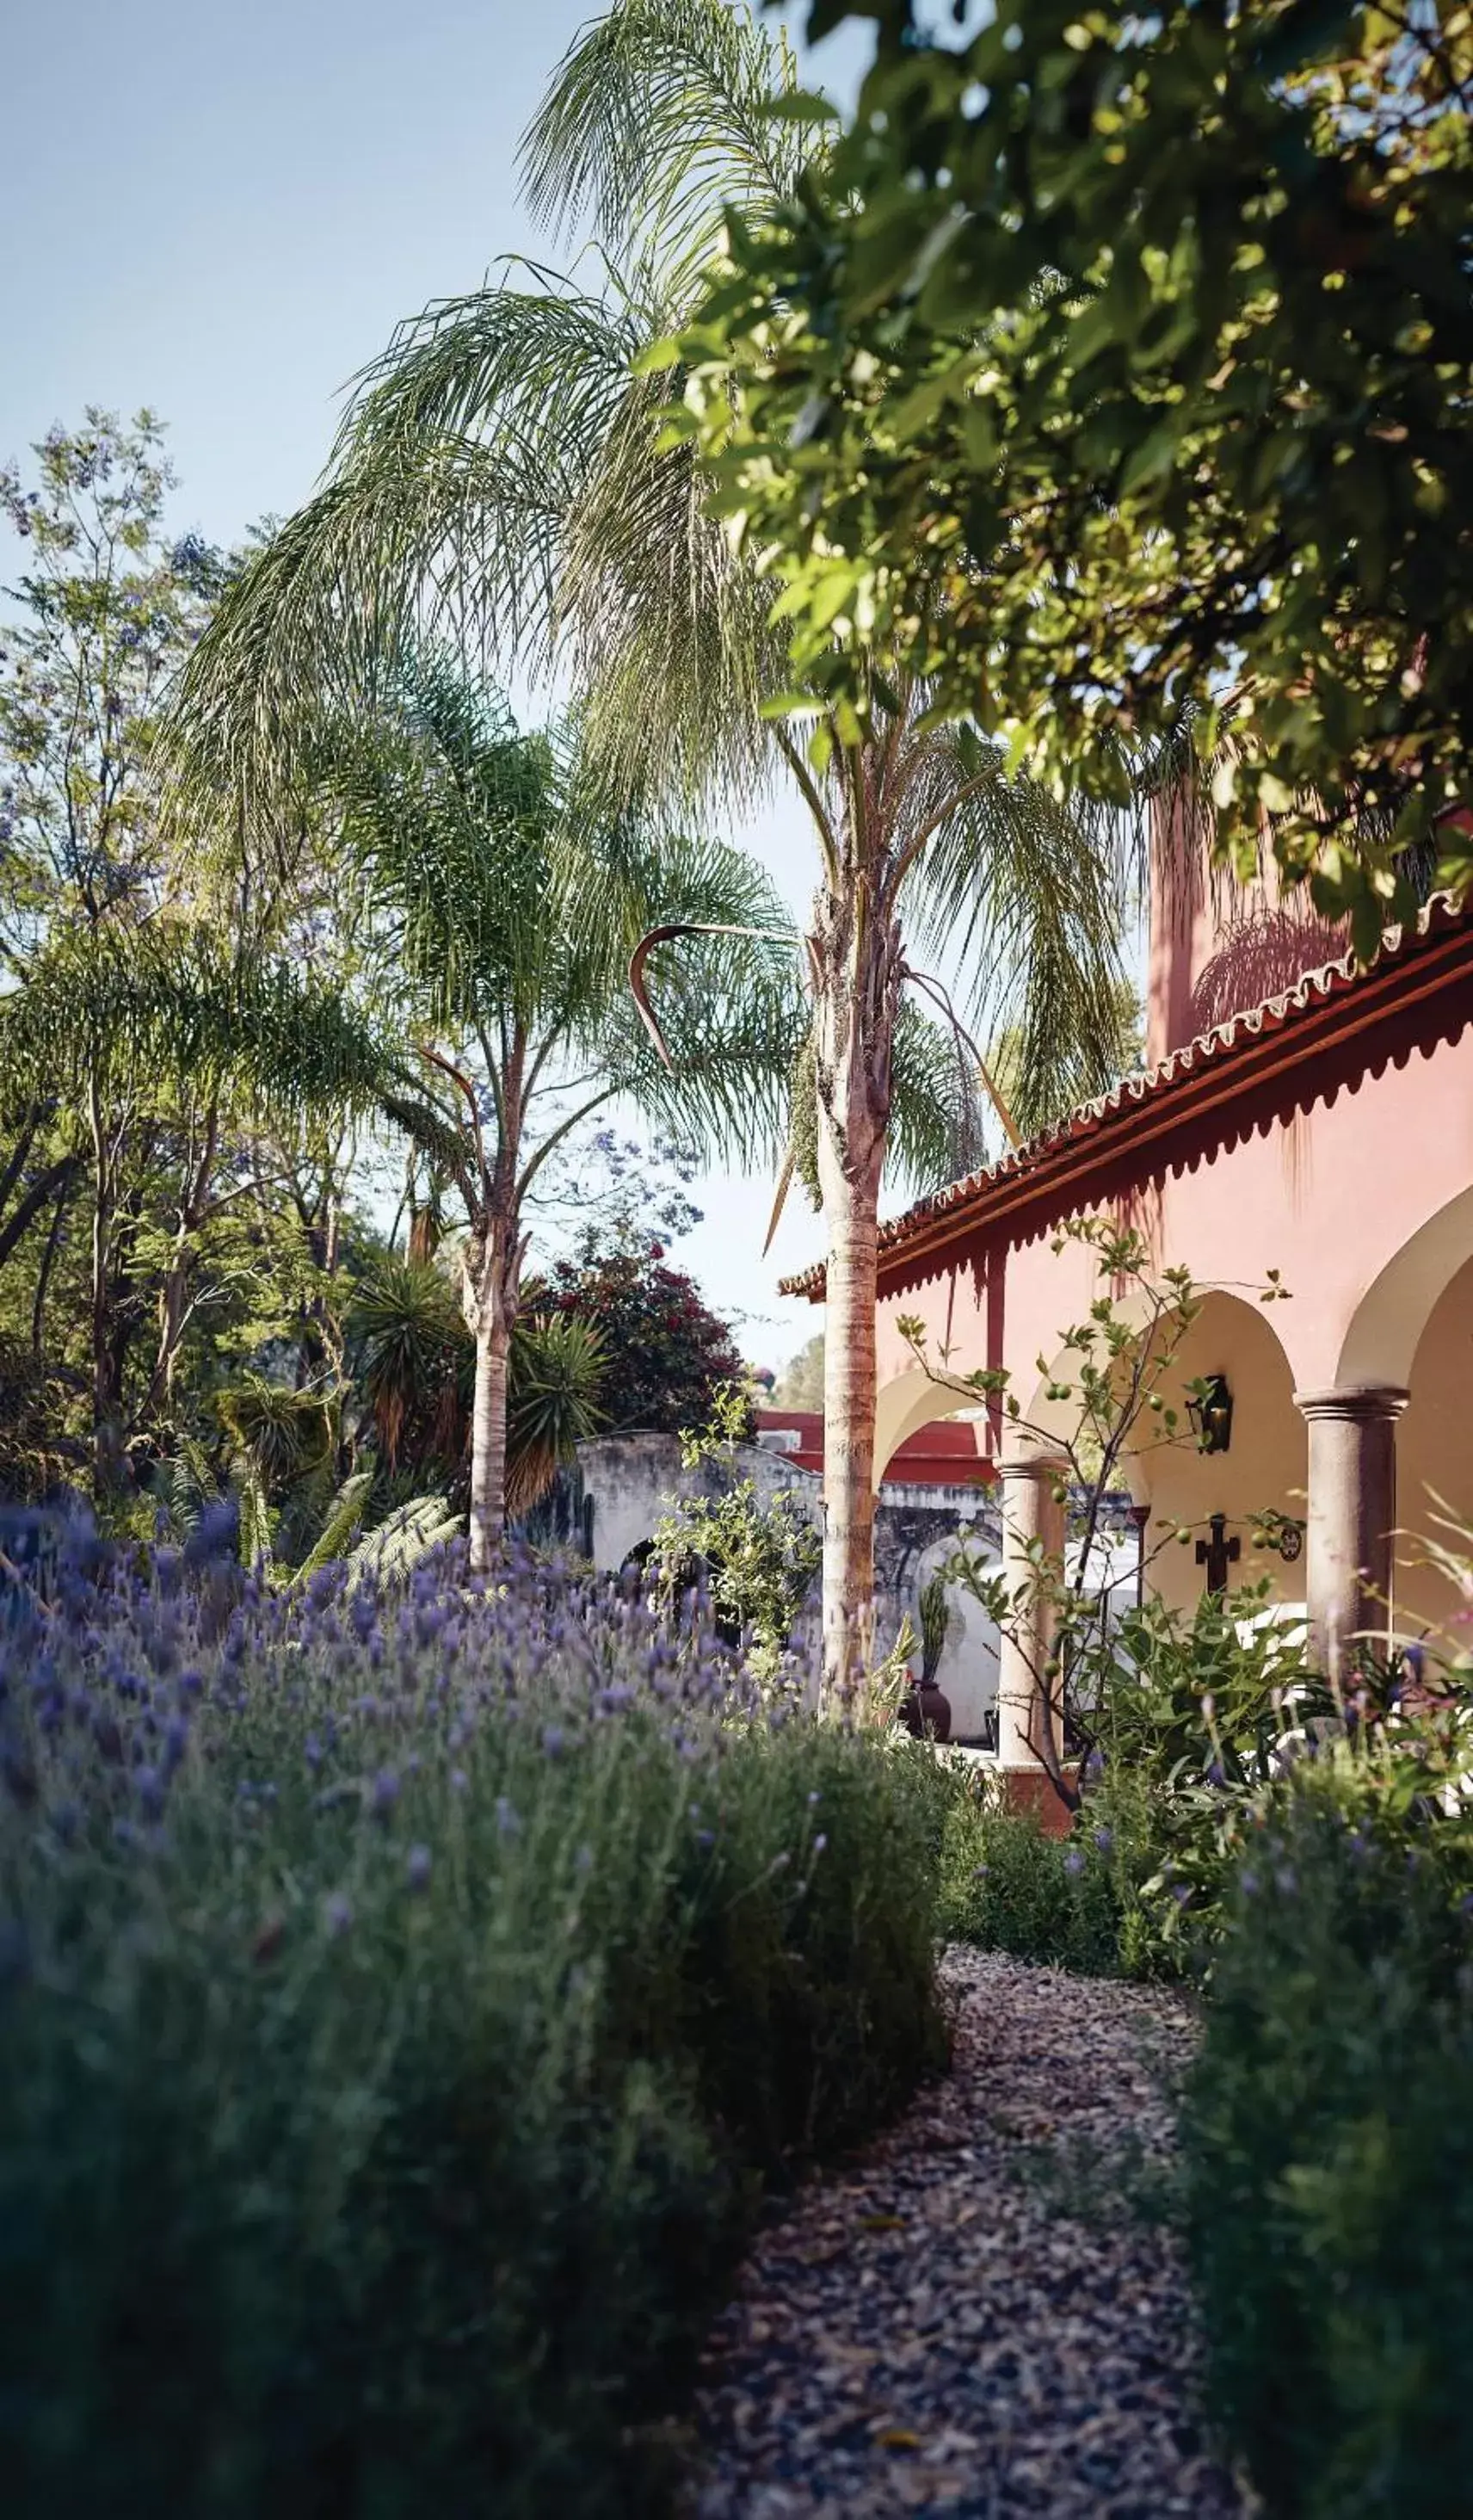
x: 927, y: 1709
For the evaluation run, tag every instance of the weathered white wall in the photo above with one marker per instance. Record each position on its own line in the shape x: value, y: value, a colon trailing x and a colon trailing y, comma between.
x: 632, y: 1481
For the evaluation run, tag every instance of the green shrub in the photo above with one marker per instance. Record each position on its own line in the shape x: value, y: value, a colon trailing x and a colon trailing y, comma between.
x: 760, y: 1554
x: 1115, y: 1898
x: 402, y: 2005
x: 1329, y: 2150
x: 1008, y: 1888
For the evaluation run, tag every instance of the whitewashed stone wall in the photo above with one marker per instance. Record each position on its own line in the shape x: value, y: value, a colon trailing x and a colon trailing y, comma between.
x: 624, y: 1484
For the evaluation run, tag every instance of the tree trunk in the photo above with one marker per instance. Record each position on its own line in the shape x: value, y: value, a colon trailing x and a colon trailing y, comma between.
x: 488, y: 1444
x: 489, y: 1289
x: 57, y: 1177
x: 173, y: 1317
x: 106, y: 1432
x: 43, y: 1275
x: 856, y: 969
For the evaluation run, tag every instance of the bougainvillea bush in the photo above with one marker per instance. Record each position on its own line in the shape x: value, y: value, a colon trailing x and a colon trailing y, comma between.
x: 666, y: 1354
x: 402, y: 2001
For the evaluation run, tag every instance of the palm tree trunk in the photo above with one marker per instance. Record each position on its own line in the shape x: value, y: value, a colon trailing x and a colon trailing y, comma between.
x: 849, y: 1433
x: 489, y: 1291
x: 488, y: 1444
x: 855, y: 960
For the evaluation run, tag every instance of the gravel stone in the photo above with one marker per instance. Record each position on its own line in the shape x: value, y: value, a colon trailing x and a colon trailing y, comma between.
x: 942, y: 2327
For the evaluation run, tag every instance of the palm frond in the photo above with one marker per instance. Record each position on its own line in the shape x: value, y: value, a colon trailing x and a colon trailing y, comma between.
x: 497, y: 479
x: 257, y: 1537
x: 1028, y: 896
x: 392, y: 1550
x: 343, y: 1517
x: 936, y: 1129
x: 732, y: 1015
x: 658, y: 117
x: 171, y: 999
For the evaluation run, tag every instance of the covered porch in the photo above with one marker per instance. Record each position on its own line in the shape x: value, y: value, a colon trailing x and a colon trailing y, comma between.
x: 1325, y: 1134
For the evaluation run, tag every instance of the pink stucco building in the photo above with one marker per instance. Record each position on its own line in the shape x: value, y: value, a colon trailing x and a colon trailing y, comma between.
x: 1296, y: 1114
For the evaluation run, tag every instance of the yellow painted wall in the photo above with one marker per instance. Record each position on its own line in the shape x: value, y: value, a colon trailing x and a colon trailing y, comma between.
x: 1266, y: 1465
x: 1434, y: 1449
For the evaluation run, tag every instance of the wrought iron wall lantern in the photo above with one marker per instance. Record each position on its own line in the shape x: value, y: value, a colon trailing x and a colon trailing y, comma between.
x: 1211, y: 1413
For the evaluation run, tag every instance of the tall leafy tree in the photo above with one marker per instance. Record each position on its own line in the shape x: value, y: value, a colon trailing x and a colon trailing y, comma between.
x: 507, y: 464
x: 147, y: 1045
x: 171, y: 1038
x: 1124, y: 359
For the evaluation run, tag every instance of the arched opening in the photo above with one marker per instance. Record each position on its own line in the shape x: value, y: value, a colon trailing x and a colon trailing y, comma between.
x: 968, y: 1667
x: 1435, y: 1452
x: 906, y: 1404
x: 1262, y: 1472
x: 1393, y: 1316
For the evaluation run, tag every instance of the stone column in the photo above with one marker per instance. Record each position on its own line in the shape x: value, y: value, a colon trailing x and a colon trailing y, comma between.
x: 1029, y: 1472
x: 1352, y: 1517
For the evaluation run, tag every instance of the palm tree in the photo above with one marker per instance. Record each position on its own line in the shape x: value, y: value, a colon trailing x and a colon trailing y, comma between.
x: 505, y: 465
x: 508, y: 896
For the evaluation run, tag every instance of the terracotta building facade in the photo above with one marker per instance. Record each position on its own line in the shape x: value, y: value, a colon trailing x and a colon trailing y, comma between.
x: 1298, y: 1115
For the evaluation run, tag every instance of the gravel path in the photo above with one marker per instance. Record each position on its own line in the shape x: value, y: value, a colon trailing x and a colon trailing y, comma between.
x: 945, y: 2325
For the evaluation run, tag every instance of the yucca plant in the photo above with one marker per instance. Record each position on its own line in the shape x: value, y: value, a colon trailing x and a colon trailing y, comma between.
x: 416, y: 1373
x: 284, y: 1436
x: 416, y: 1363
x: 557, y: 1367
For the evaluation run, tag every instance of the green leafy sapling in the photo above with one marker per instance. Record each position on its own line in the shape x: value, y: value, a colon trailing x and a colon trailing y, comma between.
x: 761, y: 1553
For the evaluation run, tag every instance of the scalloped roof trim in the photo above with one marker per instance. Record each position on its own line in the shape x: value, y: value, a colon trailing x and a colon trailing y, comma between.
x: 1204, y: 1050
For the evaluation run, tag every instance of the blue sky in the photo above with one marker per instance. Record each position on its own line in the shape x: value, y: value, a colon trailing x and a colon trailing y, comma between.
x: 223, y: 210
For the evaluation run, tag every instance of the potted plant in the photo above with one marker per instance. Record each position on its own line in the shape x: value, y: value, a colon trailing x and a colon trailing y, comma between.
x: 927, y: 1710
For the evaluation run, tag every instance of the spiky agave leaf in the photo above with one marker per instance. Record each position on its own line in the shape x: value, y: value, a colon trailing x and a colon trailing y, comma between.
x: 557, y: 1373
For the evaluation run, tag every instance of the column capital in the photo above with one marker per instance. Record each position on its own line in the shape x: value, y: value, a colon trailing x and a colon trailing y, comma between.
x: 1354, y: 1404
x: 1023, y: 1454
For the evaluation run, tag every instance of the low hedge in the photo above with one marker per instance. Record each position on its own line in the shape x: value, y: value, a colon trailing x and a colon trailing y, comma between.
x: 403, y: 2004
x: 1328, y: 2136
